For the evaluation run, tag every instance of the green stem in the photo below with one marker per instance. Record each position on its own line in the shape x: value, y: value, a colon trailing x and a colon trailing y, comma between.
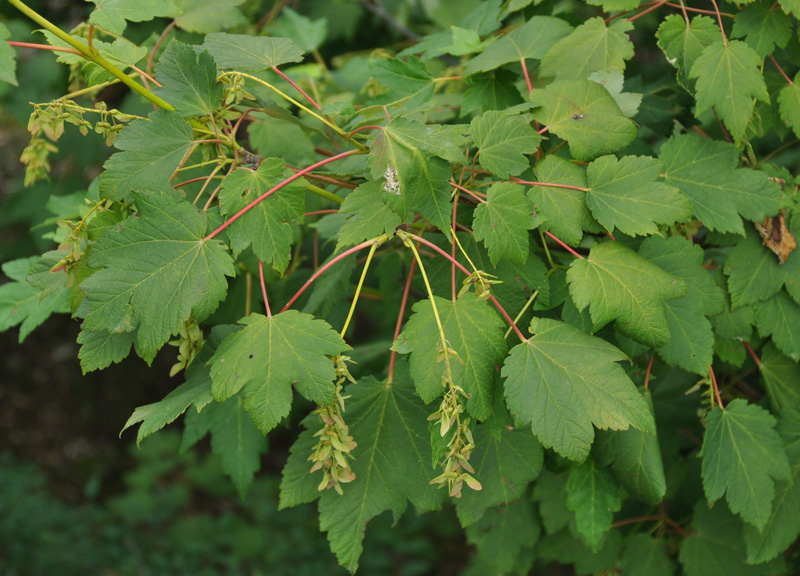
x: 374, y: 247
x: 323, y: 193
x: 521, y: 312
x: 408, y: 240
x: 308, y: 110
x: 91, y: 54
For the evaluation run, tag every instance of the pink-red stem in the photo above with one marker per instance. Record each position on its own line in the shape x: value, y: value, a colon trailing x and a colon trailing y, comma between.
x: 296, y: 87
x: 563, y: 245
x: 399, y: 325
x: 465, y: 271
x: 525, y: 72
x: 647, y: 374
x: 264, y: 287
x: 530, y: 183
x: 319, y: 272
x: 752, y: 352
x: 291, y: 178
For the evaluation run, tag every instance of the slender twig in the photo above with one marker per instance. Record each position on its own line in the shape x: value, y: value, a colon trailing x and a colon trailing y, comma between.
x: 91, y: 54
x: 399, y: 324
x: 531, y: 183
x: 721, y: 125
x: 325, y: 179
x: 264, y: 287
x: 701, y: 11
x: 467, y: 272
x: 521, y: 312
x: 291, y: 178
x: 643, y: 12
x: 752, y: 352
x: 322, y: 269
x: 320, y: 212
x: 563, y: 245
x: 453, y: 249
x: 370, y: 127
x: 525, y: 72
x: 647, y: 374
x: 375, y: 246
x: 778, y: 66
x: 161, y: 38
x: 470, y: 192
x: 296, y: 87
x: 716, y: 388
x: 44, y: 47
x: 719, y: 19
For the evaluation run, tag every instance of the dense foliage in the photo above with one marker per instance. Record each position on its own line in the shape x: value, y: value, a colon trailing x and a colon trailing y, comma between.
x: 537, y: 261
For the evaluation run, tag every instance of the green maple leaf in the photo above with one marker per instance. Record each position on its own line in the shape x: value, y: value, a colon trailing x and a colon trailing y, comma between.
x: 503, y: 221
x: 791, y: 7
x: 716, y: 545
x: 618, y: 284
x: 188, y: 80
x: 503, y: 143
x: 531, y: 40
x: 519, y: 281
x: 550, y: 384
x: 613, y: 81
x: 590, y: 47
x: 584, y: 114
x: 270, y: 355
x: 691, y: 339
x: 21, y: 303
x: 388, y: 422
x: 492, y: 91
x: 102, y: 348
x: 763, y: 28
x: 729, y: 78
x: 753, y: 272
x: 502, y: 533
x: 789, y: 104
x: 298, y: 486
x: 309, y: 34
x: 635, y: 460
x: 705, y: 171
x: 8, y: 58
x: 783, y: 524
x: 114, y: 15
x: 683, y: 44
x: 474, y: 331
x: 236, y: 440
x: 504, y: 465
x: 565, y: 209
x: 551, y: 494
x: 780, y: 377
x: 251, y: 53
x: 204, y: 16
x: 151, y: 151
x: 370, y: 217
x: 434, y: 139
x: 594, y: 496
x: 196, y: 390
x: 409, y: 81
x: 742, y: 456
x: 157, y: 270
x: 615, y: 5
x: 779, y: 317
x: 646, y: 556
x: 268, y: 225
x: 423, y: 182
x: 624, y: 194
